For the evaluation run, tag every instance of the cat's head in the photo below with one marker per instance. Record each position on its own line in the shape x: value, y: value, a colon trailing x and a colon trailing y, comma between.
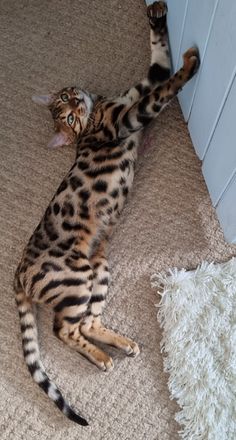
x: 70, y: 109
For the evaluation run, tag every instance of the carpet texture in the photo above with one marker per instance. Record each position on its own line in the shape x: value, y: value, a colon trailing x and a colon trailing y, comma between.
x: 168, y: 221
x: 198, y: 316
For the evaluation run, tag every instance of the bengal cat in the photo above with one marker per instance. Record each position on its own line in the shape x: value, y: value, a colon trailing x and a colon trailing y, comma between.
x: 64, y: 264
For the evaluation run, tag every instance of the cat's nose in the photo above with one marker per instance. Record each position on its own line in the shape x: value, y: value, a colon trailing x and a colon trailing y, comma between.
x: 75, y: 102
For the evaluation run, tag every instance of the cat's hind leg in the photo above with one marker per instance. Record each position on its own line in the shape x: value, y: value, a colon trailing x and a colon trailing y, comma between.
x: 71, y: 335
x: 94, y: 329
x: 70, y: 300
x: 91, y: 326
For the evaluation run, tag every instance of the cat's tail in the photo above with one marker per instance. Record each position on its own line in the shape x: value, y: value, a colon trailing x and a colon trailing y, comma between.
x: 32, y: 356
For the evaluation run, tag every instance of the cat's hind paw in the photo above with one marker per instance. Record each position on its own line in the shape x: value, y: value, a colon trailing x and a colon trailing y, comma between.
x: 132, y: 349
x: 105, y: 363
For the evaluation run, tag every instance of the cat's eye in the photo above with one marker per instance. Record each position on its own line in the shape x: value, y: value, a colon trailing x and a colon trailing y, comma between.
x: 64, y: 97
x: 70, y: 119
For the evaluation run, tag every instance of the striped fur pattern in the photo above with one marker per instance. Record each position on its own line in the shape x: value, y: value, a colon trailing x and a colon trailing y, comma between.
x: 64, y: 265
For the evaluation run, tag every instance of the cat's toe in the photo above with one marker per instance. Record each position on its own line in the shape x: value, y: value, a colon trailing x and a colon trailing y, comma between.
x: 191, y: 60
x: 106, y: 365
x: 132, y: 349
x: 155, y: 11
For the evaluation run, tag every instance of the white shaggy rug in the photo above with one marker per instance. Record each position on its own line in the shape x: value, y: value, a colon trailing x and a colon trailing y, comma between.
x: 198, y: 316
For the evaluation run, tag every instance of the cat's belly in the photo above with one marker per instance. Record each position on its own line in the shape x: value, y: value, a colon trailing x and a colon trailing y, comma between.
x: 86, y: 205
x: 109, y: 206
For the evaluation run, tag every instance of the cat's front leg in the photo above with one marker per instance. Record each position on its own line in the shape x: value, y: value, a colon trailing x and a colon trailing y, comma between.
x: 159, y: 70
x: 148, y: 107
x: 91, y: 326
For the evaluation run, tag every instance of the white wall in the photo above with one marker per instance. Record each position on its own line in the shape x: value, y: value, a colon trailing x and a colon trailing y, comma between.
x: 208, y: 102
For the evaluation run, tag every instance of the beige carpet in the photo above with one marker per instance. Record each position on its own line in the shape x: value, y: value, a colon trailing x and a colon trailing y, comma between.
x: 103, y: 46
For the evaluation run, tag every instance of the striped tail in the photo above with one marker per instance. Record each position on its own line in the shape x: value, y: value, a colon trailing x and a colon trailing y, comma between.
x: 32, y: 357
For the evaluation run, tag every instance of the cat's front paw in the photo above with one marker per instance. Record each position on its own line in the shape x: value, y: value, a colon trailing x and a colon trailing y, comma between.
x: 191, y: 60
x: 155, y: 12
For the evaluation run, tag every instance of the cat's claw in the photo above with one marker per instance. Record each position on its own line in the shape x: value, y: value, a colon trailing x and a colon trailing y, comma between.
x: 155, y: 11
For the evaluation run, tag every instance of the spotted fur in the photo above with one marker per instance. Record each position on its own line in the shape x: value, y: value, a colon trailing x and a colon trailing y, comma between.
x: 64, y: 264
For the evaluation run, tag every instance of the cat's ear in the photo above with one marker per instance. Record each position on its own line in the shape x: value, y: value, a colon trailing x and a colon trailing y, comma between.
x: 43, y: 99
x: 59, y: 139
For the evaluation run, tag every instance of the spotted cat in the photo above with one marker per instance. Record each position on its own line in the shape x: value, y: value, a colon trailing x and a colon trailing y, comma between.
x: 64, y: 265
